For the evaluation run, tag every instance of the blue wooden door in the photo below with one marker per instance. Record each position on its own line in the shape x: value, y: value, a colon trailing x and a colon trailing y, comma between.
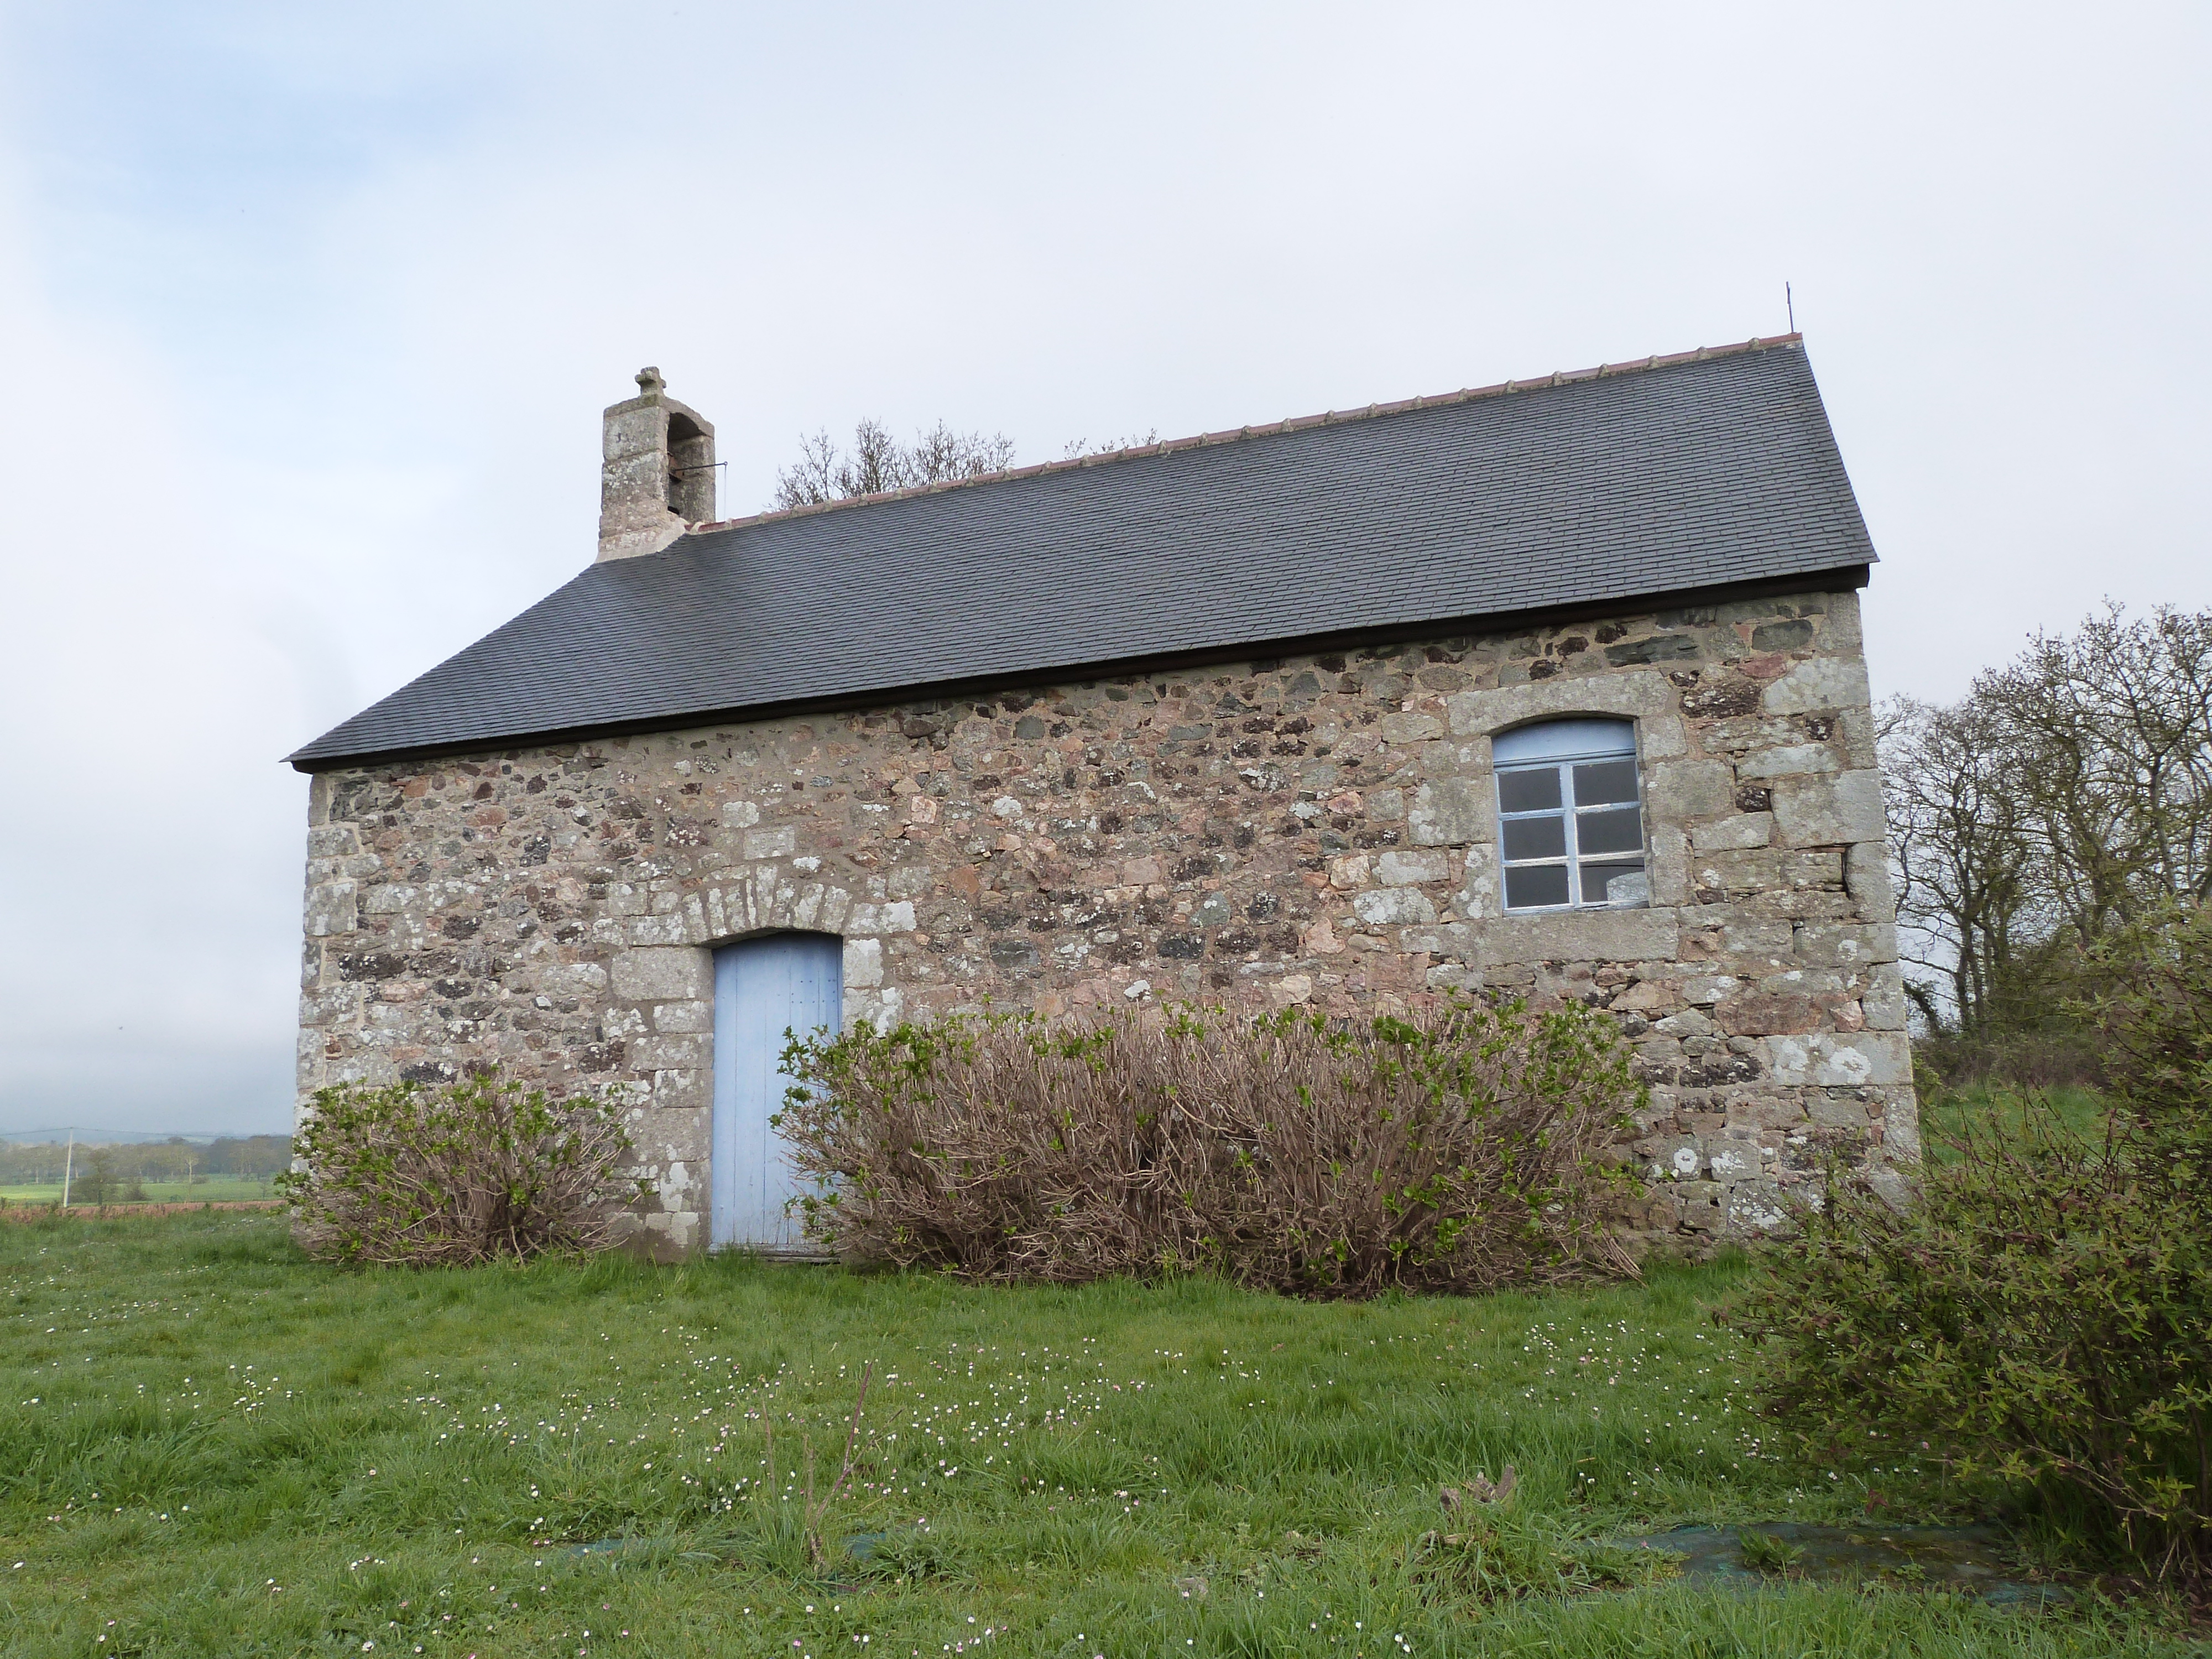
x: 763, y: 987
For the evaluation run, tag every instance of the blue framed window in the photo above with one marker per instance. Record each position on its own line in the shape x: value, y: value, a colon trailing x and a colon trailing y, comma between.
x: 1570, y: 816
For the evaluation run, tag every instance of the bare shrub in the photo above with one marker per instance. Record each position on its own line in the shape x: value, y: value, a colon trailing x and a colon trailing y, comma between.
x: 1459, y: 1151
x: 468, y: 1173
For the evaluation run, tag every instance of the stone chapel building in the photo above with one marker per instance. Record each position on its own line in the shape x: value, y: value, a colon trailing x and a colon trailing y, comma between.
x: 1551, y: 687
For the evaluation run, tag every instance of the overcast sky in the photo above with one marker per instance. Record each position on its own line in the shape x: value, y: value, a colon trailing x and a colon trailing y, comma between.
x: 308, y: 315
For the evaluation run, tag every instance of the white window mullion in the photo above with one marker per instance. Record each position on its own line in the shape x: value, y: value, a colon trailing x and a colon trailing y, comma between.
x: 1574, y: 842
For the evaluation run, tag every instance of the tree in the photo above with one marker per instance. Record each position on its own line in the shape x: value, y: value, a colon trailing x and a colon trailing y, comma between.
x: 2067, y: 795
x: 878, y: 462
x: 1078, y: 448
x: 105, y: 1182
x: 2110, y: 742
x: 1961, y: 856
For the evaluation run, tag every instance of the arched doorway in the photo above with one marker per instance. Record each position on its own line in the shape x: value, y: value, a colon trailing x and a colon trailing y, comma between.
x: 763, y: 987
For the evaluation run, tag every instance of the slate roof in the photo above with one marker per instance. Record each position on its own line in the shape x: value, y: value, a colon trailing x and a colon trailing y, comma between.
x: 1673, y: 476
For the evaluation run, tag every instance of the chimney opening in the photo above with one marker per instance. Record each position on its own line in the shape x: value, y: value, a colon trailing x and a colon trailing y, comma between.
x: 656, y: 473
x: 690, y: 470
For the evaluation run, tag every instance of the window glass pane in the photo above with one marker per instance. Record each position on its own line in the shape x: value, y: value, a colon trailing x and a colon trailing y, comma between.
x: 1600, y: 781
x: 1616, y: 829
x: 1615, y: 884
x: 1528, y: 792
x: 1531, y: 885
x: 1535, y: 838
x: 1565, y: 740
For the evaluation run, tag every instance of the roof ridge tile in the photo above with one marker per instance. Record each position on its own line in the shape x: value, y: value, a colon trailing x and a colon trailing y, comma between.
x: 1234, y: 434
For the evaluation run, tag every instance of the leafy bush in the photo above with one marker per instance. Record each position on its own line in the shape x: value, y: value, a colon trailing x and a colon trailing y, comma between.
x: 2058, y: 1057
x: 1512, y: 1556
x: 468, y: 1173
x: 1764, y: 1552
x: 98, y: 1183
x: 2042, y: 1319
x: 2156, y: 1020
x: 1461, y: 1150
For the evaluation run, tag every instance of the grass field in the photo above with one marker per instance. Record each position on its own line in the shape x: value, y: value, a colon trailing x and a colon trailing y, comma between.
x: 2081, y: 1110
x: 214, y: 1189
x: 209, y: 1446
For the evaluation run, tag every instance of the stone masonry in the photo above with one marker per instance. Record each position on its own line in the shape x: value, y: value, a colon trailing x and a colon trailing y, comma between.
x: 1319, y: 830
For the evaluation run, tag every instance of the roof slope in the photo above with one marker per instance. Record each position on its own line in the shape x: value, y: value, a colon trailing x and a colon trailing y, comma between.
x: 1689, y: 473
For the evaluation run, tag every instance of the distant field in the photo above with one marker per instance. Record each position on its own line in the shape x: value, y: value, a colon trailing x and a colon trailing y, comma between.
x: 214, y: 1190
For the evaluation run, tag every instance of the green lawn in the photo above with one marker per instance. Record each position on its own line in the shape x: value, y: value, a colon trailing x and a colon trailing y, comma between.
x: 2081, y: 1110
x: 211, y: 1189
x: 209, y: 1446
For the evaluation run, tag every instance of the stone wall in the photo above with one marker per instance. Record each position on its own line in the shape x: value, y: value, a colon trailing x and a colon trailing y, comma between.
x: 1318, y: 830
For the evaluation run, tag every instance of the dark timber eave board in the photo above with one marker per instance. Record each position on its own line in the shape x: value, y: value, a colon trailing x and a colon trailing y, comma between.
x: 1846, y: 577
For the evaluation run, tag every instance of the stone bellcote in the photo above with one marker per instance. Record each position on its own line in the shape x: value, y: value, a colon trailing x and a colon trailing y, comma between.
x: 657, y: 474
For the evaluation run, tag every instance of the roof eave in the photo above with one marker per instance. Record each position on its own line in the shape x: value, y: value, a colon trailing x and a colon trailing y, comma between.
x: 1854, y: 574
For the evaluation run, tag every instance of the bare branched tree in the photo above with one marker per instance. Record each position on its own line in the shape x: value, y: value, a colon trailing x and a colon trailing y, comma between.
x: 2067, y: 794
x: 1077, y: 448
x: 878, y: 462
x: 1960, y: 851
x: 2109, y: 732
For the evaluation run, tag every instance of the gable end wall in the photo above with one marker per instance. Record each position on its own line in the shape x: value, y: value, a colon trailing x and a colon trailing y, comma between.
x: 1317, y: 829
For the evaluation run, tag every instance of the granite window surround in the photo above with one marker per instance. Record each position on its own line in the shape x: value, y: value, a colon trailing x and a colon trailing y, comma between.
x: 1670, y: 784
